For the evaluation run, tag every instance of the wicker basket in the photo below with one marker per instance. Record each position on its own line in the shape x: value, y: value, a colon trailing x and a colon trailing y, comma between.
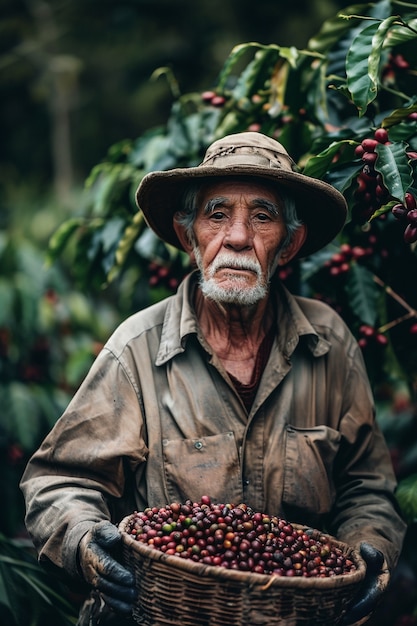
x: 180, y: 592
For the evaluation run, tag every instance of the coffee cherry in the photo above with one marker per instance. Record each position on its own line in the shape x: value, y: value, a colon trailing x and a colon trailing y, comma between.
x: 251, y: 541
x: 369, y: 145
x: 400, y: 62
x: 399, y: 211
x: 410, y: 233
x: 168, y: 277
x: 407, y: 212
x: 369, y: 157
x: 218, y: 101
x: 369, y: 336
x: 412, y: 215
x: 340, y: 262
x: 381, y: 135
x: 371, y: 191
x: 359, y: 151
x: 381, y: 339
x: 410, y: 201
x: 207, y: 96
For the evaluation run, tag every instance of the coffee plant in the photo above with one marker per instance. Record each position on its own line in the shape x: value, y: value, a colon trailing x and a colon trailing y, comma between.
x: 345, y: 107
x: 29, y: 595
x: 49, y: 337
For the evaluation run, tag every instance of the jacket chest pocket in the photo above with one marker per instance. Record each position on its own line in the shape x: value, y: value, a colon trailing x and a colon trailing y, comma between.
x: 203, y: 466
x: 308, y: 474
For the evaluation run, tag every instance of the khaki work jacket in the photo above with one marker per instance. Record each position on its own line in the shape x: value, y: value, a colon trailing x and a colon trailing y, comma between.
x: 158, y: 420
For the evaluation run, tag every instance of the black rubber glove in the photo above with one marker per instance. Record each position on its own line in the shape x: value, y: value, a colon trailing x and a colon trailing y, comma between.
x: 373, y: 587
x: 102, y: 571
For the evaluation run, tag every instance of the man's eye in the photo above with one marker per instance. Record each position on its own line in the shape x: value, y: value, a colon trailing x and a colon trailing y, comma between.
x: 217, y: 215
x: 263, y: 217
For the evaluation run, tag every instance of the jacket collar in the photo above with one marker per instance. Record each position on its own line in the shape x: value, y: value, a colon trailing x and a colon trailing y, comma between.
x: 180, y: 322
x: 292, y: 324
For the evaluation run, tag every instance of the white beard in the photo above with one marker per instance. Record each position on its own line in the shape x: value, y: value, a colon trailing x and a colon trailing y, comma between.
x: 238, y: 292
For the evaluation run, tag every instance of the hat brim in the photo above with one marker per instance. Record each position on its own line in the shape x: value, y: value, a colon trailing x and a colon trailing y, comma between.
x: 319, y: 205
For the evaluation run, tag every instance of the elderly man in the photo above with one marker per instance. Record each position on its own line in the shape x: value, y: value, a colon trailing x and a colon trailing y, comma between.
x: 233, y: 387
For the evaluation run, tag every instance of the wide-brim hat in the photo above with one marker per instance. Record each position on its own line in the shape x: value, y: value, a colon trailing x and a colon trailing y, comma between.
x: 249, y: 154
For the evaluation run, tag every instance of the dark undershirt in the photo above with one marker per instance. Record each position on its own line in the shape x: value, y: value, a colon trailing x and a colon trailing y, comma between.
x: 248, y: 392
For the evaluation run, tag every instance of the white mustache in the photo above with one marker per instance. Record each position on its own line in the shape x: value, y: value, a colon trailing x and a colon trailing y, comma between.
x: 231, y: 261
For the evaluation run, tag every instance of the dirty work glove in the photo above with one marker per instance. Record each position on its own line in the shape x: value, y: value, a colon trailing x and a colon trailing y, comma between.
x: 373, y: 587
x: 101, y: 570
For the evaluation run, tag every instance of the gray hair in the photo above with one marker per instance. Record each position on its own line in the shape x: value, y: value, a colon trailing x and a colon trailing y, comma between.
x: 187, y: 215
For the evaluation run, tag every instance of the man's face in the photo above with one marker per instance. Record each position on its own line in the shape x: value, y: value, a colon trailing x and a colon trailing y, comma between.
x: 239, y: 230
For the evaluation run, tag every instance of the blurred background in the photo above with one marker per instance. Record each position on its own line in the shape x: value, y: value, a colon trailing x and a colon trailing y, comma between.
x: 76, y: 75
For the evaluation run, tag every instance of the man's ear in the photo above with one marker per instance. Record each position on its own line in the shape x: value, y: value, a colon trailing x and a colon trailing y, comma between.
x: 181, y: 233
x: 291, y: 250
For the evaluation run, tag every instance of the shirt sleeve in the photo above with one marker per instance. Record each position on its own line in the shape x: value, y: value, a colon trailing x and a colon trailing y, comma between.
x: 81, y: 467
x: 366, y: 508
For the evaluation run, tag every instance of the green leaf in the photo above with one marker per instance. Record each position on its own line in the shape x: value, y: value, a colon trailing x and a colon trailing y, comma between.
x: 378, y: 41
x: 291, y: 54
x: 399, y: 115
x: 234, y: 57
x: 342, y: 177
x: 149, y: 149
x: 111, y: 233
x: 78, y: 365
x: 24, y: 413
x: 109, y: 186
x: 383, y: 209
x: 61, y: 236
x: 231, y: 123
x: 361, y: 83
x: 5, y: 598
x: 400, y: 34
x: 363, y: 294
x: 26, y: 302
x: 363, y: 63
x: 393, y: 164
x: 318, y: 165
x: 129, y: 237
x: 318, y: 91
x: 249, y: 79
x: 6, y: 299
x: 334, y: 28
x: 407, y: 498
x: 27, y: 590
x: 50, y: 405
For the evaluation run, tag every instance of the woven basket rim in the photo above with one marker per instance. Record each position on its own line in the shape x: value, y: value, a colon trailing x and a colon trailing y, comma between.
x: 252, y: 579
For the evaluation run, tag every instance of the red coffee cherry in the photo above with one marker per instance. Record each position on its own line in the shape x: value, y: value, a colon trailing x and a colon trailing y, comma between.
x: 381, y: 135
x: 369, y: 145
x: 207, y: 96
x: 218, y: 101
x: 369, y: 157
x: 399, y: 211
x: 410, y: 201
x: 410, y: 233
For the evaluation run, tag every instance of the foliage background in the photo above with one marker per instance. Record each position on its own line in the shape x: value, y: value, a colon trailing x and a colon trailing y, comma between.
x: 79, y: 81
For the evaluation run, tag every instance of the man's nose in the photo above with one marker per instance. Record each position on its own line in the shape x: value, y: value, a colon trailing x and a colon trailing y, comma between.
x: 239, y: 234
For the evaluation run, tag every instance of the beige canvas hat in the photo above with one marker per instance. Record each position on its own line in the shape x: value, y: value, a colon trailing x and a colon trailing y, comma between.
x: 250, y: 154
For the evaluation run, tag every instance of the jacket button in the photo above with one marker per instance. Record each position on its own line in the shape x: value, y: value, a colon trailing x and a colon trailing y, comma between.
x: 198, y: 445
